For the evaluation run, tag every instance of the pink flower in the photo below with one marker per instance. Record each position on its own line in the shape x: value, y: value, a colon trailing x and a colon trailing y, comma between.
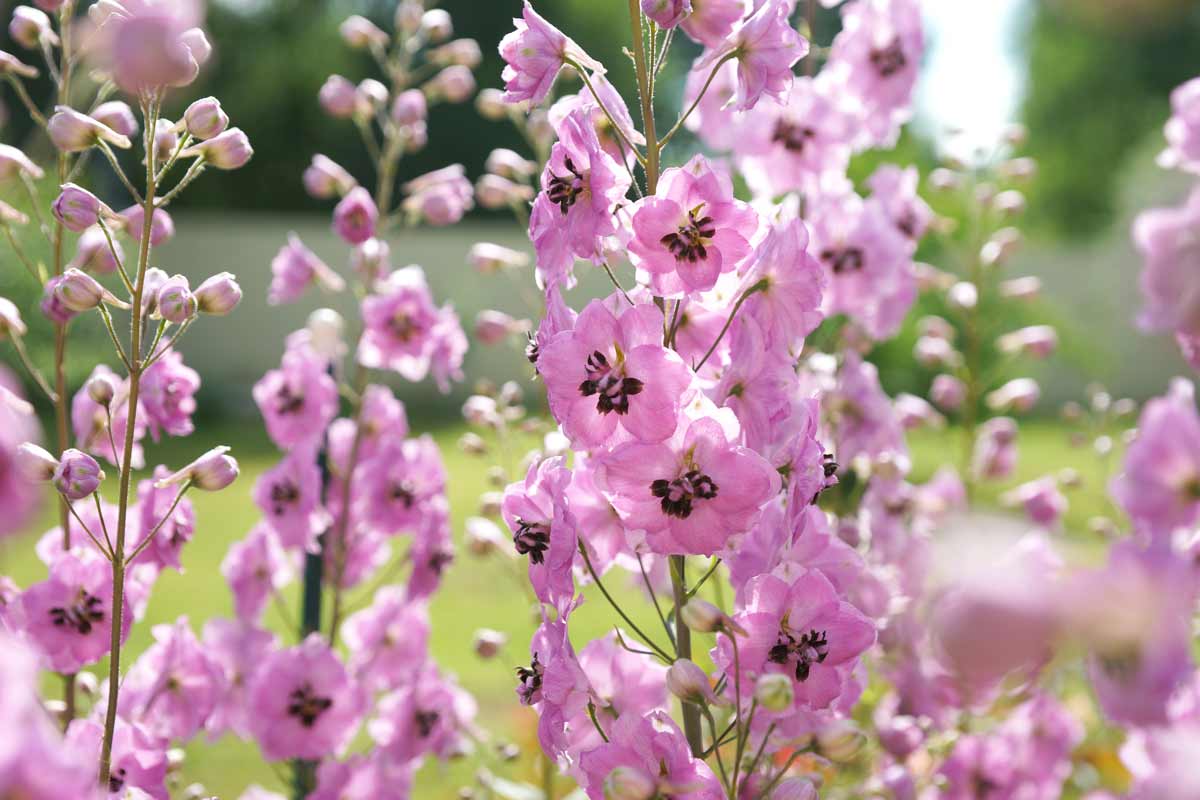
x: 868, y: 263
x: 597, y: 523
x: 1170, y: 292
x: 895, y: 190
x: 801, y: 628
x: 765, y: 46
x: 289, y: 495
x: 68, y: 615
x: 667, y: 13
x: 168, y: 395
x: 92, y: 253
x: 581, y: 186
x: 652, y: 751
x: 866, y: 424
x: 689, y: 494
x: 355, y: 217
x: 401, y: 482
x: 623, y: 683
x: 162, y: 226
x: 1159, y: 485
x: 876, y: 59
x: 256, y: 568
x: 555, y: 685
x: 1044, y: 504
x: 533, y: 55
x: 544, y: 529
x: 612, y: 140
x: 440, y: 197
x: 613, y: 371
x: 298, y: 400
x: 173, y: 687
x: 173, y: 532
x: 1182, y: 130
x: 995, y: 455
x: 712, y: 20
x: 370, y: 777
x: 303, y: 702
x: 90, y: 422
x: 430, y: 714
x: 691, y: 230
x: 150, y: 44
x: 399, y: 324
x: 786, y: 307
x: 325, y: 178
x: 237, y: 648
x: 387, y: 641
x: 139, y: 759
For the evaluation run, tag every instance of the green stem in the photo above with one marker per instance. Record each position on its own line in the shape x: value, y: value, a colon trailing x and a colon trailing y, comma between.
x: 683, y: 649
x: 587, y: 561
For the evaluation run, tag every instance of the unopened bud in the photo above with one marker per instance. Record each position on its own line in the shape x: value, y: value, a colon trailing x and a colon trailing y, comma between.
x: 629, y: 783
x: 437, y: 25
x: 488, y: 642
x: 840, y: 740
x: 78, y: 475
x: 205, y: 118
x: 36, y: 463
x: 774, y: 692
x: 101, y: 388
x: 688, y: 682
x: 218, y: 295
x: 210, y: 472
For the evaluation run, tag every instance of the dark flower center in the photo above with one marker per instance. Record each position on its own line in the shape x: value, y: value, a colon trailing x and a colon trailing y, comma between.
x: 306, y: 705
x: 679, y: 495
x: 425, y: 721
x: 794, y: 137
x: 829, y: 467
x: 282, y: 495
x: 287, y: 401
x: 116, y: 780
x: 889, y: 60
x: 440, y: 560
x: 565, y: 190
x: 532, y: 539
x: 531, y: 682
x: 532, y: 351
x: 690, y: 242
x: 404, y: 491
x: 846, y: 258
x: 81, y: 616
x: 612, y: 389
x: 404, y: 327
x: 811, y: 648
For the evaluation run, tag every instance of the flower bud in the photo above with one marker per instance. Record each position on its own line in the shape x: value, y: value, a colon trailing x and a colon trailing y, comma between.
x: 1019, y: 169
x: 30, y: 27
x: 162, y: 225
x: 934, y: 351
x: 1019, y: 395
x: 489, y: 258
x: 490, y: 503
x: 688, y: 682
x: 14, y: 162
x: 408, y: 15
x: 338, y: 96
x: 629, y: 783
x: 437, y: 25
x: 205, y: 118
x: 409, y: 107
x: 325, y: 178
x: 11, y: 65
x: 369, y: 96
x: 947, y: 392
x: 359, y: 33
x: 703, y: 617
x: 118, y: 116
x: 166, y: 139
x: 228, y: 150
x: 211, y: 472
x: 493, y: 327
x: 488, y: 643
x: 101, y: 388
x: 1038, y: 341
x: 77, y: 475
x: 453, y: 84
x: 77, y: 208
x: 175, y: 302
x: 463, y: 52
x: 490, y: 104
x: 774, y: 692
x: 325, y: 329
x: 72, y: 132
x: 51, y: 307
x: 1000, y: 247
x: 78, y: 291
x: 840, y: 740
x: 355, y: 217
x: 94, y: 254
x: 218, y: 295
x: 36, y: 463
x: 509, y: 164
x: 472, y: 444
x: 11, y: 323
x: 155, y: 278
x: 496, y: 191
x: 1026, y: 288
x: 1010, y: 202
x: 963, y: 295
x: 484, y: 537
x: 371, y: 260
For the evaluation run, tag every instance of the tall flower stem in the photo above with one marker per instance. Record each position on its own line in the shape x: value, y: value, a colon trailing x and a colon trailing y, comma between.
x: 683, y: 649
x: 66, y: 16
x: 150, y: 107
x: 646, y: 93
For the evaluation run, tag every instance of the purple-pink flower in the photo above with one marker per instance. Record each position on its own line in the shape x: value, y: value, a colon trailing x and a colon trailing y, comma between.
x: 533, y: 54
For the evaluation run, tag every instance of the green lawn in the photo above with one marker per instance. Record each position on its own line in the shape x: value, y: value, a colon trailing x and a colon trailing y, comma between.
x: 476, y: 593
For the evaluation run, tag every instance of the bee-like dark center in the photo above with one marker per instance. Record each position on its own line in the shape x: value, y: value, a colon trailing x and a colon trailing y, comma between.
x: 611, y: 387
x: 889, y: 60
x: 306, y: 705
x: 811, y: 648
x: 844, y: 258
x: 531, y: 682
x: 690, y: 241
x: 679, y: 496
x: 532, y: 539
x: 283, y: 494
x: 81, y: 615
x: 793, y: 136
x: 564, y: 190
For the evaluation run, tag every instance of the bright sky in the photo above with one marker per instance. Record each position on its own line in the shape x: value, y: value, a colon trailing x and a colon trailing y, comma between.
x: 973, y: 75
